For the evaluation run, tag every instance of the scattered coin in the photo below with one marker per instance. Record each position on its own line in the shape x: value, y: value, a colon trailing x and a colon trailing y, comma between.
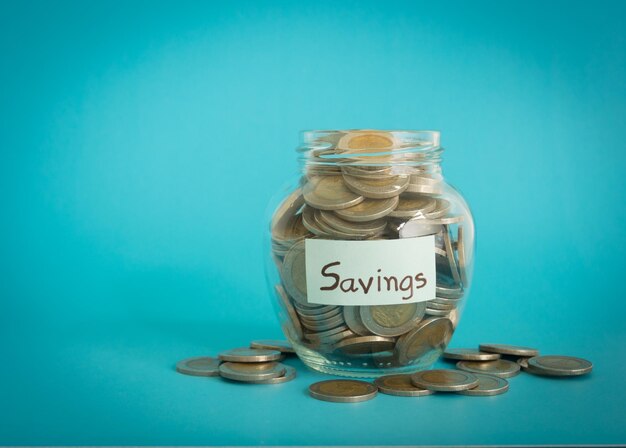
x: 512, y: 350
x: 273, y: 344
x: 400, y: 385
x: 246, y: 354
x: 444, y: 380
x: 501, y: 367
x: 247, y: 372
x: 199, y: 366
x: 487, y: 385
x: 343, y: 391
x: 469, y: 354
x: 290, y: 374
x: 559, y: 365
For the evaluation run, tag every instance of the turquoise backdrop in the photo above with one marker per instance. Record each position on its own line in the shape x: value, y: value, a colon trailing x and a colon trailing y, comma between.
x: 141, y: 141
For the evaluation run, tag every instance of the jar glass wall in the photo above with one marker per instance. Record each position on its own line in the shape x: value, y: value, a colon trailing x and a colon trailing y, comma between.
x: 370, y: 253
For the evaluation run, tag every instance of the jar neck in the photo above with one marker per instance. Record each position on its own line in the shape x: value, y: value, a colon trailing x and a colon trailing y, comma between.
x: 401, y: 151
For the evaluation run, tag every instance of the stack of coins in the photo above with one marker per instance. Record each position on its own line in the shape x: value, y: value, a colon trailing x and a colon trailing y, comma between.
x: 368, y: 199
x: 255, y: 365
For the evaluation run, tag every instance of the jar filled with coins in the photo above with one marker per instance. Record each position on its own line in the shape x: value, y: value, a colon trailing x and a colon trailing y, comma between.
x: 370, y: 253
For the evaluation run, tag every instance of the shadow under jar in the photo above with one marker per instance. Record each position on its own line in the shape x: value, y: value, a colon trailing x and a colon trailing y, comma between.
x: 371, y: 253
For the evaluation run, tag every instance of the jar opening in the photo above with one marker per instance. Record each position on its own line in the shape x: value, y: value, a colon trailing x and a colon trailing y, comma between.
x: 369, y: 147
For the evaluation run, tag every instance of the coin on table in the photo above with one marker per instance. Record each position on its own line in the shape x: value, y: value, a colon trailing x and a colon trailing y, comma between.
x: 523, y: 363
x: 368, y: 210
x: 469, y: 354
x: 488, y: 385
x: 273, y: 344
x: 291, y: 325
x: 247, y: 372
x: 352, y: 316
x: 400, y: 385
x: 500, y: 367
x: 387, y: 187
x: 199, y: 366
x: 343, y: 391
x: 365, y: 345
x: 513, y: 350
x: 329, y: 193
x: 290, y: 374
x: 411, y: 206
x: 553, y: 365
x: 392, y: 320
x: 294, y: 272
x: 246, y: 354
x: 444, y: 380
x: 425, y: 342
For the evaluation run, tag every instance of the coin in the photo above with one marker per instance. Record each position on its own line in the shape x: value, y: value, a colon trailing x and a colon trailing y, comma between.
x: 199, y: 366
x: 370, y: 172
x: 553, y: 365
x: 382, y: 188
x: 444, y: 380
x: 313, y: 312
x: 523, y: 363
x: 273, y: 344
x: 364, y: 345
x: 487, y: 385
x: 392, y: 320
x: 328, y: 339
x: 352, y: 316
x: 333, y: 322
x: 319, y: 316
x: 436, y: 312
x: 451, y: 258
x: 366, y: 227
x: 247, y: 372
x: 426, y: 341
x: 334, y: 233
x: 460, y: 240
x: 286, y: 210
x: 309, y: 221
x: 291, y: 326
x: 512, y: 350
x: 294, y: 272
x: 400, y: 385
x: 327, y: 333
x: 343, y: 391
x: 442, y: 208
x: 293, y: 230
x: 246, y: 354
x: 469, y: 354
x: 329, y: 193
x: 290, y: 374
x: 368, y: 210
x: 501, y: 367
x: 411, y: 206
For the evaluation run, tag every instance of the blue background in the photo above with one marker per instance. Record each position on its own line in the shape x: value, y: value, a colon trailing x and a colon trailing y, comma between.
x: 141, y: 141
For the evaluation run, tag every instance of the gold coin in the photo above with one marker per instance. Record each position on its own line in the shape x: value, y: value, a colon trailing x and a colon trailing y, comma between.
x: 469, y: 354
x: 488, y: 385
x: 199, y: 366
x: 513, y: 350
x: 294, y: 272
x: 245, y: 354
x: 343, y: 391
x: 371, y: 227
x: 291, y: 324
x: 424, y: 343
x: 368, y: 210
x: 352, y: 316
x: 392, y: 320
x: 377, y: 188
x: 500, y: 367
x: 559, y: 365
x: 240, y: 371
x: 357, y: 141
x: 444, y: 380
x: 329, y: 193
x: 364, y: 345
x: 411, y: 206
x: 400, y: 386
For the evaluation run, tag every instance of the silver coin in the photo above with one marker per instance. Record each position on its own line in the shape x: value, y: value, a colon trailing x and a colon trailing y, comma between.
x: 343, y: 391
x: 392, y: 320
x: 309, y: 221
x: 447, y: 292
x: 440, y: 306
x: 411, y: 206
x: 312, y: 312
x: 329, y: 193
x: 513, y: 350
x: 444, y: 380
x: 352, y: 316
x: 273, y: 344
x: 294, y: 272
x: 469, y: 354
x: 435, y: 312
x: 442, y: 208
x: 333, y: 322
x: 294, y: 230
x: 501, y: 367
x: 387, y: 187
x: 368, y: 210
x: 400, y: 386
x: 291, y: 323
x: 199, y: 366
x: 366, y: 227
x: 239, y: 371
x: 370, y: 172
x: 334, y: 233
x: 324, y: 334
x: 425, y: 342
x: 246, y: 354
x: 553, y: 365
x: 290, y: 374
x: 364, y: 345
x: 488, y: 385
x: 416, y: 227
x: 329, y: 339
x: 319, y: 317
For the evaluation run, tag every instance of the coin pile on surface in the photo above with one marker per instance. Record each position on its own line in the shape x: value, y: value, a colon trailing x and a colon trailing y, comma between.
x: 368, y: 201
x: 255, y: 365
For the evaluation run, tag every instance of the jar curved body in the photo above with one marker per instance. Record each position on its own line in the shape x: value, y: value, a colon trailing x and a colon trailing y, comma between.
x: 370, y: 253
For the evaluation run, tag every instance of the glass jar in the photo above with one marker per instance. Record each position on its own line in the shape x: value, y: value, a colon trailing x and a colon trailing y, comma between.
x: 370, y: 253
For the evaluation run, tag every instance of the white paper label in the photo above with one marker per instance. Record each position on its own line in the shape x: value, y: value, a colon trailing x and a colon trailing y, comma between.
x: 377, y: 272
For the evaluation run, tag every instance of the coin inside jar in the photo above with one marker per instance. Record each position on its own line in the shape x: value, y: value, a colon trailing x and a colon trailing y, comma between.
x: 273, y: 344
x: 294, y: 272
x: 343, y: 391
x: 381, y: 188
x: 391, y: 320
x: 329, y: 193
x: 469, y: 354
x: 400, y: 385
x: 368, y: 210
x: 425, y: 342
x: 363, y: 345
